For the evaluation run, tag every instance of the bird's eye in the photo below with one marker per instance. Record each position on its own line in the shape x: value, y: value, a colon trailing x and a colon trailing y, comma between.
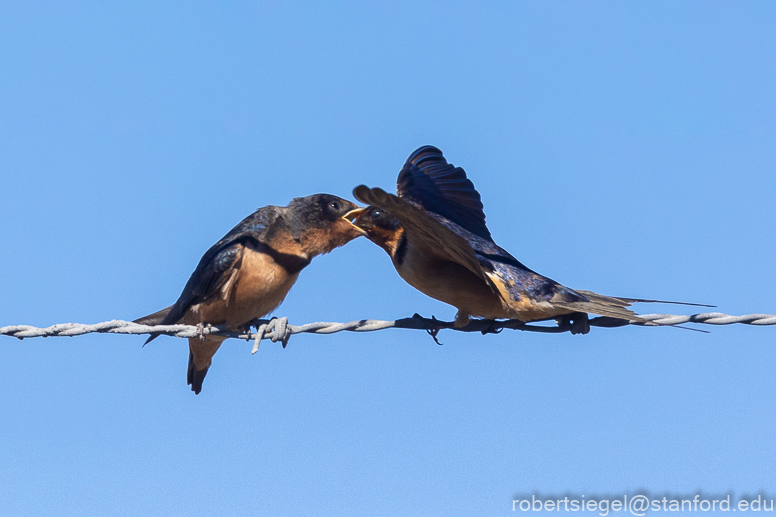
x: 377, y: 214
x: 334, y: 205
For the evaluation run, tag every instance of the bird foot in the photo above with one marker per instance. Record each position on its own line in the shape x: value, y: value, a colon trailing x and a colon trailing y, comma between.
x: 494, y: 327
x: 462, y: 319
x: 577, y: 322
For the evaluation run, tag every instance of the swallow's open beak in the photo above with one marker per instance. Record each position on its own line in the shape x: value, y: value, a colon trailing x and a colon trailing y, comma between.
x: 351, y: 216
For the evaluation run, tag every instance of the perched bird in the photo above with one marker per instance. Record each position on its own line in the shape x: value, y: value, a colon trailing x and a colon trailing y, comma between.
x: 436, y: 236
x: 248, y: 273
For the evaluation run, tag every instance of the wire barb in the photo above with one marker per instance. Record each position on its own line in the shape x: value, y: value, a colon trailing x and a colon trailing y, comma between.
x: 278, y: 329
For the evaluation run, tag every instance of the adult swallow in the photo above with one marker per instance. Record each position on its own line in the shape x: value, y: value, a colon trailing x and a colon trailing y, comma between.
x: 435, y: 233
x: 248, y: 273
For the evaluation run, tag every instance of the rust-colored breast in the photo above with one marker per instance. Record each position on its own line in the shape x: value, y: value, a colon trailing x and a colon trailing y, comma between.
x: 257, y: 285
x: 448, y: 282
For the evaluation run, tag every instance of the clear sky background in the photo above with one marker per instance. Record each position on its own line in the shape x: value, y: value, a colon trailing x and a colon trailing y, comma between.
x: 621, y: 147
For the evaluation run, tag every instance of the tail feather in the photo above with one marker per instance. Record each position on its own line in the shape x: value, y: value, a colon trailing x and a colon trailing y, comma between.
x: 601, y: 309
x: 195, y: 377
x: 612, y: 306
x: 600, y: 305
x: 156, y: 318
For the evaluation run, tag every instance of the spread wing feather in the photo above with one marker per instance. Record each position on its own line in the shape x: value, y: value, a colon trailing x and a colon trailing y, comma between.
x: 424, y: 230
x: 440, y: 187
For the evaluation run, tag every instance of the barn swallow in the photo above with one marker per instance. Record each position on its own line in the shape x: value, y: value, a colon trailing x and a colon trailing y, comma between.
x: 435, y: 233
x: 248, y: 273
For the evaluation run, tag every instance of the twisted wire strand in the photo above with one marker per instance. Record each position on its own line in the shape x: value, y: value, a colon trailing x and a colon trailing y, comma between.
x: 278, y: 329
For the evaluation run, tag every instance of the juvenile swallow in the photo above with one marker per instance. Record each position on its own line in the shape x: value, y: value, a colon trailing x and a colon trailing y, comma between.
x: 435, y: 233
x: 248, y: 273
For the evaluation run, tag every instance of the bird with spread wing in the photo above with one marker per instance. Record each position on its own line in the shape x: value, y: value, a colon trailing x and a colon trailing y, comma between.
x: 435, y: 233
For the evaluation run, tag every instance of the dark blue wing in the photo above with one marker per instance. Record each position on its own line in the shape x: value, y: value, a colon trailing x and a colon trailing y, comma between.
x: 440, y: 187
x: 518, y: 279
x: 216, y: 264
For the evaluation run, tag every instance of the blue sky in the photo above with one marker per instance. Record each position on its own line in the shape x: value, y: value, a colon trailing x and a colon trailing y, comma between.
x: 621, y: 147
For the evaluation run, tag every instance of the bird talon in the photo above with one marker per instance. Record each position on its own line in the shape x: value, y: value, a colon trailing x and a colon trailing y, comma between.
x: 576, y: 323
x: 493, y: 328
x: 462, y: 318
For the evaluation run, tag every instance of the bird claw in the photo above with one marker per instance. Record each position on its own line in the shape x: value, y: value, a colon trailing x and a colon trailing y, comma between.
x: 576, y: 323
x: 492, y: 328
x: 462, y: 318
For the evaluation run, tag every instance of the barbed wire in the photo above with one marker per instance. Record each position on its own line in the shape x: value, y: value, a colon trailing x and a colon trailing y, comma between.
x: 278, y: 329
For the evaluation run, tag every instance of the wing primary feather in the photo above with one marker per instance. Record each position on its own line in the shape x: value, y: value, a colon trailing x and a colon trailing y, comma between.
x: 438, y: 186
